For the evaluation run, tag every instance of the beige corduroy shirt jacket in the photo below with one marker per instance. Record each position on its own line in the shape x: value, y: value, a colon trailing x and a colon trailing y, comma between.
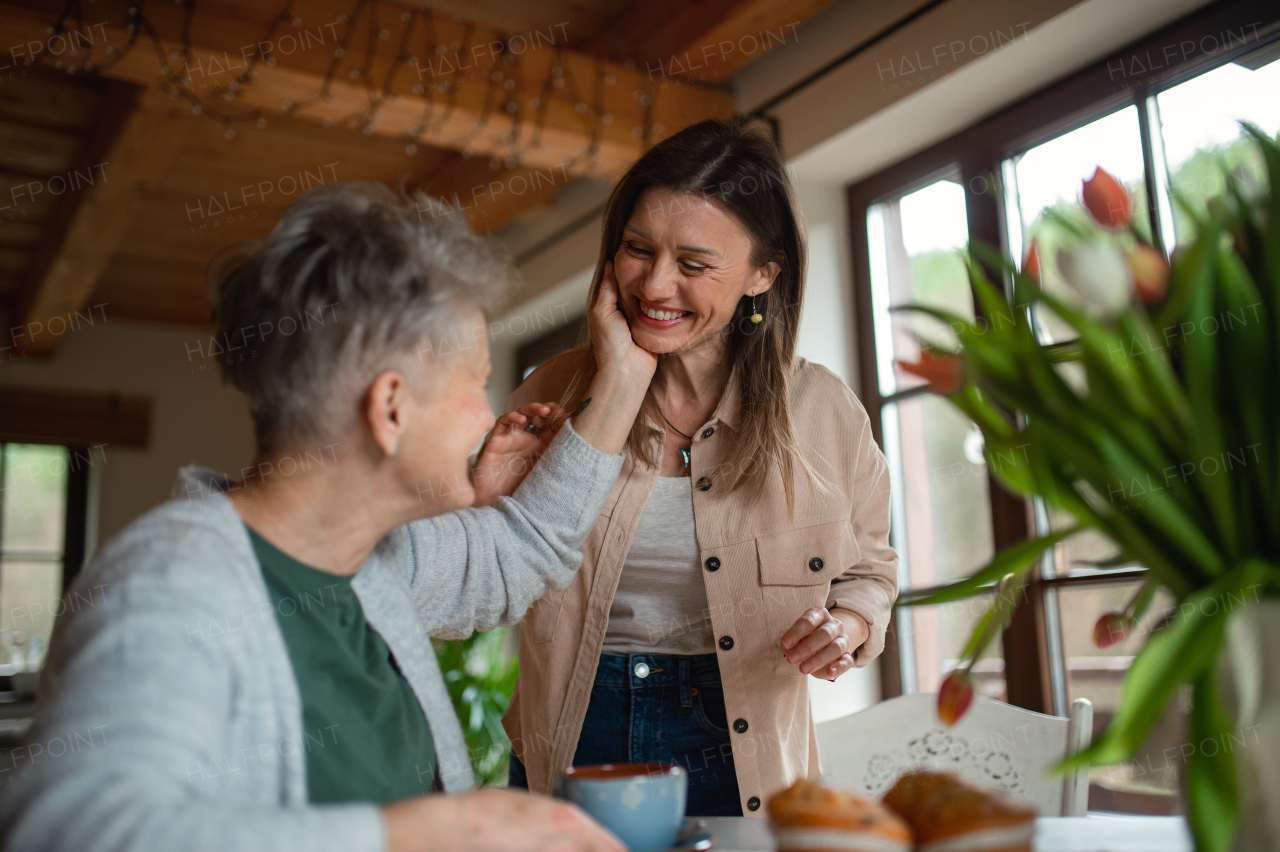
x: 762, y: 570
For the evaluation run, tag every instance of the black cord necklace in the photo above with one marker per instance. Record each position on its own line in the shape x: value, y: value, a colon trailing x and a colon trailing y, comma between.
x: 684, y: 454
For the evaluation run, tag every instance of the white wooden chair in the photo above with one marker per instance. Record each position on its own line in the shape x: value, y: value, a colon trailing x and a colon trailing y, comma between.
x: 994, y: 745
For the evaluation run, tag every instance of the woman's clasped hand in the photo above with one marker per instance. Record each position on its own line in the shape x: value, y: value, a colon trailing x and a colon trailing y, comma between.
x: 821, y: 644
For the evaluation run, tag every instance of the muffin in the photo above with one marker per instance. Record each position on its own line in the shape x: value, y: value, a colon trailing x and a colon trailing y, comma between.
x: 814, y: 818
x: 948, y: 815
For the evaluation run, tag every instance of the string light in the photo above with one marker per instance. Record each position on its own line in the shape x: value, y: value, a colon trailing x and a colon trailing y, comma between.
x: 523, y: 106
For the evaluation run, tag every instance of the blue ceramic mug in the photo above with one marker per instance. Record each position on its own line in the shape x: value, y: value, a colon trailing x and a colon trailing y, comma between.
x: 642, y: 803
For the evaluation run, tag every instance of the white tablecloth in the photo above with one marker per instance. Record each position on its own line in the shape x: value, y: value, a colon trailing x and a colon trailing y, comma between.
x: 1053, y: 834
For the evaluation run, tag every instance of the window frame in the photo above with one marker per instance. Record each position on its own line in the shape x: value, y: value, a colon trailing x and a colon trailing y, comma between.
x: 75, y: 509
x: 1035, y: 674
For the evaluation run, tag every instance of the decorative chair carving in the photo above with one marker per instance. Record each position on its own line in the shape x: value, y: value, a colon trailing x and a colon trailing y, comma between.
x: 995, y: 745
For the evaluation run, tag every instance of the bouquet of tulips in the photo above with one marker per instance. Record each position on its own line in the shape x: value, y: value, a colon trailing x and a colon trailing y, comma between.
x: 1167, y: 369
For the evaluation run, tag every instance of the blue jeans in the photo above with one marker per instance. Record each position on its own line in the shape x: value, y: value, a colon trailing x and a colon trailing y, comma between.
x: 675, y: 714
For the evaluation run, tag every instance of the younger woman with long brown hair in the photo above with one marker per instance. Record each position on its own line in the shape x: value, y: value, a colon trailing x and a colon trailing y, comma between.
x: 745, y: 544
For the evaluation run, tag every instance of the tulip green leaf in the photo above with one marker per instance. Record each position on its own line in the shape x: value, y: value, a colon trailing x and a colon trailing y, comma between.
x: 1157, y: 424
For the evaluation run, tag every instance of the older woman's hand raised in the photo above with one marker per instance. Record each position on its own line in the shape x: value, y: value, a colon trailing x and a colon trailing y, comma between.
x: 520, y: 437
x: 513, y: 447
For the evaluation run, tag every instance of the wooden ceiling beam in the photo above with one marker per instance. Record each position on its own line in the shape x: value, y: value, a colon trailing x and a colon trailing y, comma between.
x: 651, y: 33
x: 752, y: 28
x: 46, y: 100
x: 75, y: 418
x: 464, y: 115
x: 704, y: 41
x: 136, y: 135
x: 489, y: 197
x: 665, y: 40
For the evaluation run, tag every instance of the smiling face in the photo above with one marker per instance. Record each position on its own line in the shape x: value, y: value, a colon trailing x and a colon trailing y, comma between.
x: 682, y: 268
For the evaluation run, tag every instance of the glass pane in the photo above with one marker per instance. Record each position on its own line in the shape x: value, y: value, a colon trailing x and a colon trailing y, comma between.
x: 1078, y: 555
x: 1199, y: 123
x: 35, y: 498
x: 942, y: 508
x: 913, y: 243
x: 937, y: 635
x: 34, y: 501
x: 29, y: 598
x: 1049, y: 177
x: 1149, y: 783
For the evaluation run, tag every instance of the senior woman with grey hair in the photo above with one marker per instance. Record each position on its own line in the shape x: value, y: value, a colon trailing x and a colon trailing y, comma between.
x: 258, y: 674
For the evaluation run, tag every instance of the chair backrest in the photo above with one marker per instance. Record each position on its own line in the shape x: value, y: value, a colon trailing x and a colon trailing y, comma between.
x: 995, y: 745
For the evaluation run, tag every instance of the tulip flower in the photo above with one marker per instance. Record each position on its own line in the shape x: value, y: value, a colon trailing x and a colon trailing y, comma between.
x: 1111, y: 628
x: 1100, y: 274
x: 1031, y: 263
x: 1150, y: 273
x: 1107, y: 200
x: 943, y: 371
x: 955, y: 696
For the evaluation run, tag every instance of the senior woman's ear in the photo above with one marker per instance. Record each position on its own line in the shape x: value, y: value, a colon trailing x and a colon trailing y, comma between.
x: 385, y: 411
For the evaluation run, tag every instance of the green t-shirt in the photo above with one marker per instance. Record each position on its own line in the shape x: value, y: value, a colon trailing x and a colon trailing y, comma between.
x: 365, y: 736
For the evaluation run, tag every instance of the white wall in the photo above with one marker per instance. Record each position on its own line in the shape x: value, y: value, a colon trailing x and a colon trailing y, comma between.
x: 826, y: 321
x: 563, y: 303
x: 1061, y: 37
x: 194, y: 417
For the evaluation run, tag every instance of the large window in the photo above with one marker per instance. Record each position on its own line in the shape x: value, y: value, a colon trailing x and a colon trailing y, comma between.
x: 1165, y: 137
x: 42, y: 487
x: 941, y: 509
x: 1200, y: 130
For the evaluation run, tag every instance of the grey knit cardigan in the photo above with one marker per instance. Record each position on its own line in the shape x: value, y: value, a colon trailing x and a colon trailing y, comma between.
x: 168, y: 715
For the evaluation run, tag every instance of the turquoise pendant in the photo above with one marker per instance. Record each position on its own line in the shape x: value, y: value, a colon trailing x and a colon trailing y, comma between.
x: 684, y: 454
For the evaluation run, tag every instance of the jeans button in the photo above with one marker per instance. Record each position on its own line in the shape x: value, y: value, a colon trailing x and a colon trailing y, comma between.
x: 641, y: 670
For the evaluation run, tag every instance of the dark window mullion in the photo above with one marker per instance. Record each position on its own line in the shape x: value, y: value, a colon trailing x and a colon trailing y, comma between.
x: 77, y: 513
x: 1140, y: 101
x: 1118, y: 575
x: 1027, y: 666
x: 903, y: 396
x: 4, y: 457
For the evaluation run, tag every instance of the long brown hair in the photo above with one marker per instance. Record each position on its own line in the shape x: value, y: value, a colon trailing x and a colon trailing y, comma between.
x: 737, y: 165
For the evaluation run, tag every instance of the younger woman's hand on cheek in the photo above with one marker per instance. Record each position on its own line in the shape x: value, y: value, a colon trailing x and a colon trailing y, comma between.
x: 821, y: 644
x: 615, y: 350
x: 609, y: 406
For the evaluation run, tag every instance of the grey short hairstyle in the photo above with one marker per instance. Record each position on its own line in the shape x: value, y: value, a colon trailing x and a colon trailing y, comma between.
x: 353, y: 280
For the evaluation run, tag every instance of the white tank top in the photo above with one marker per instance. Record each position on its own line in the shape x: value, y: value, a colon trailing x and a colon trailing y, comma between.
x: 661, y: 603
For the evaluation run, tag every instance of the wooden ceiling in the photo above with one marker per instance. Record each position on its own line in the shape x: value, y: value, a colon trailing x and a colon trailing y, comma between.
x: 116, y: 186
